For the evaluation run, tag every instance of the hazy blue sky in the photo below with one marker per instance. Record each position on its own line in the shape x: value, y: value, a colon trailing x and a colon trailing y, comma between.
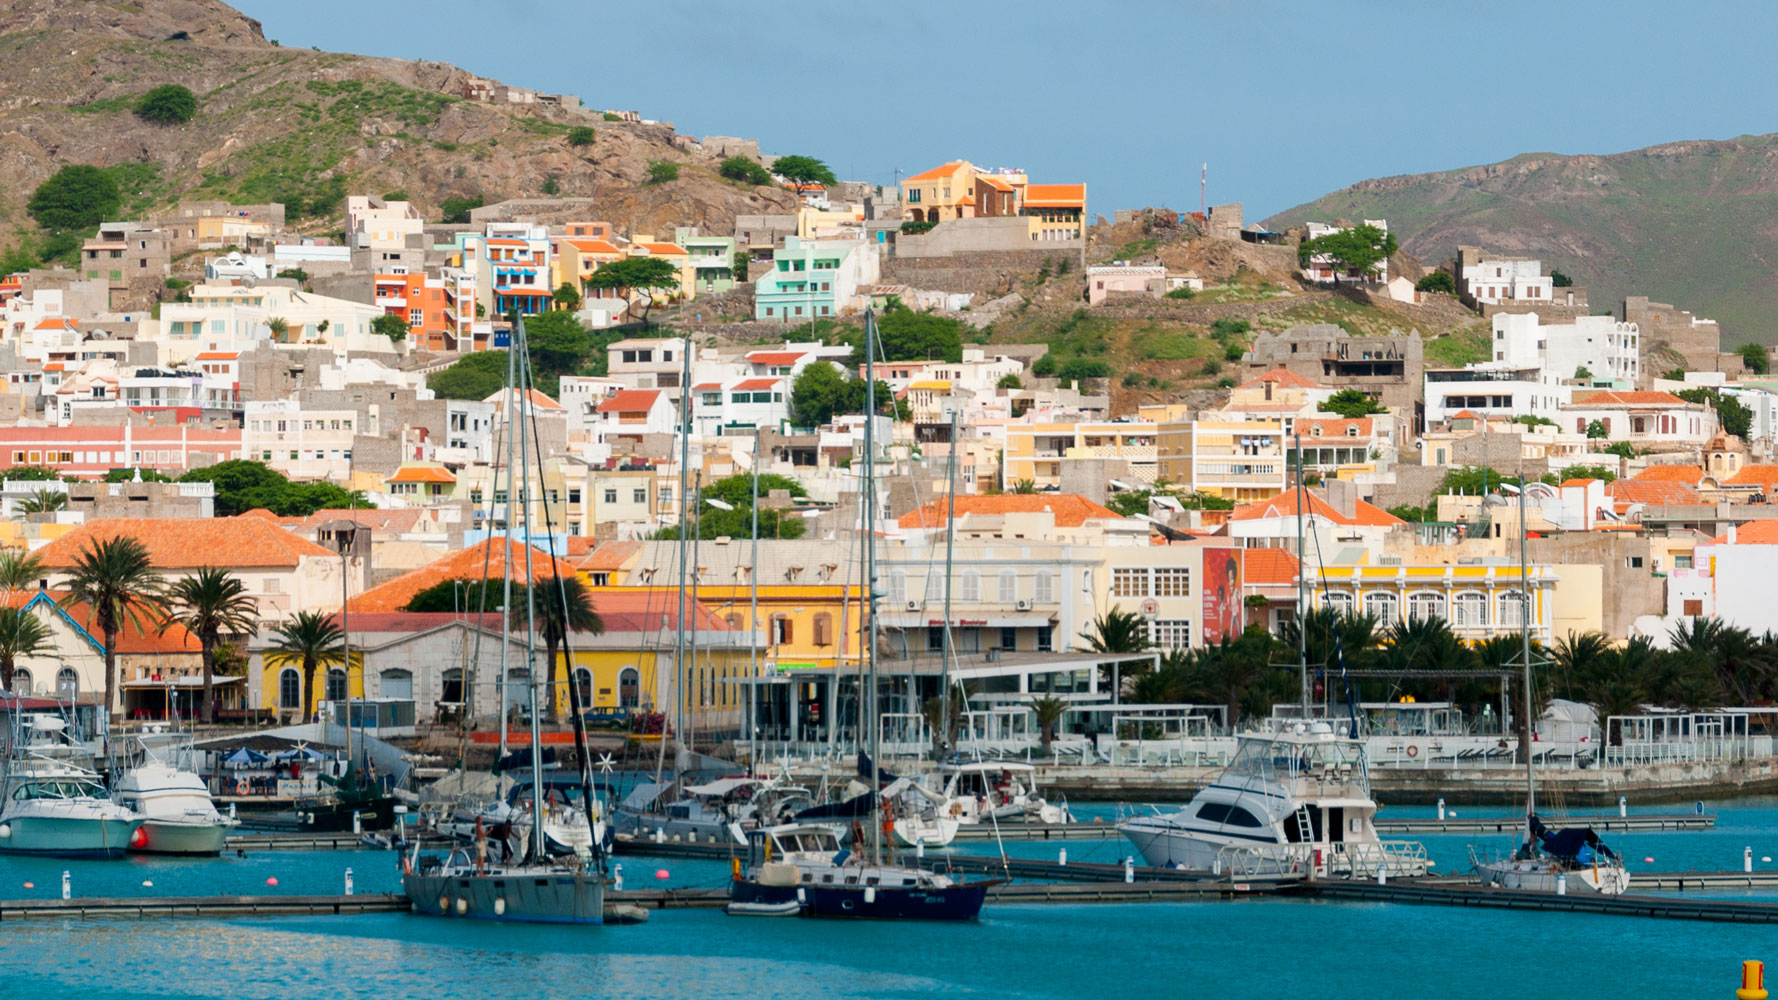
x: 1286, y: 100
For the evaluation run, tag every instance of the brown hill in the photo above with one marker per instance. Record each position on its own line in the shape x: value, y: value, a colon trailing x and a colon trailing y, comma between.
x: 304, y: 127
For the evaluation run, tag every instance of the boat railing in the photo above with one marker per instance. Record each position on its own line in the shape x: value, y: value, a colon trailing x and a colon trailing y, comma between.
x: 1353, y: 859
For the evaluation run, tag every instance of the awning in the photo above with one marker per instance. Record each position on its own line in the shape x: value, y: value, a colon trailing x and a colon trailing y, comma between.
x: 1034, y: 620
x: 181, y: 682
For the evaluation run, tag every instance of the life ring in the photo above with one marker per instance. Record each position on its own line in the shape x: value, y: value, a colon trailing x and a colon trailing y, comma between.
x: 1413, y: 751
x: 241, y: 786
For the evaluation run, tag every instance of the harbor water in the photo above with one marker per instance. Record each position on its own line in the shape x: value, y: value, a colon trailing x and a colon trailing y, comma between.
x: 1250, y: 947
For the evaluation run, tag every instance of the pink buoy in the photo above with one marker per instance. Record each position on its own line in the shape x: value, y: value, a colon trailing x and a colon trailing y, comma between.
x: 30, y: 885
x: 271, y: 881
x: 661, y: 873
x: 1648, y: 861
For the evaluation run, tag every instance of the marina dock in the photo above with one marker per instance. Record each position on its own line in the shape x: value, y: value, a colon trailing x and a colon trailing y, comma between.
x: 1642, y: 822
x: 1664, y: 907
x: 145, y: 907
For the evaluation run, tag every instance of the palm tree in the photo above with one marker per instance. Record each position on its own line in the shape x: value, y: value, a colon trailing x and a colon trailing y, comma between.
x: 310, y: 640
x: 279, y: 326
x: 115, y: 579
x: 19, y: 570
x: 44, y: 501
x: 210, y: 604
x: 1117, y: 631
x: 1049, y: 711
x: 563, y: 604
x: 21, y: 634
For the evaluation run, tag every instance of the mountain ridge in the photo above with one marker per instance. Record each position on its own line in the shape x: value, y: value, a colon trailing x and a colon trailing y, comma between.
x: 1689, y: 222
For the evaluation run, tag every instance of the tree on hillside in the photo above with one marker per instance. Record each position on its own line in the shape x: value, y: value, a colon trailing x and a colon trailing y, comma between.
x: 1009, y: 381
x: 636, y: 274
x: 1756, y: 359
x: 1351, y: 403
x: 567, y: 297
x: 1731, y: 413
x: 115, y: 582
x: 1560, y: 280
x: 167, y: 104
x: 581, y: 135
x: 1358, y: 249
x: 558, y: 345
x: 1437, y: 281
x: 819, y: 392
x: 242, y: 485
x: 906, y: 335
x: 391, y: 326
x: 803, y: 170
x: 456, y: 210
x: 475, y: 376
x: 75, y: 199
x: 748, y: 171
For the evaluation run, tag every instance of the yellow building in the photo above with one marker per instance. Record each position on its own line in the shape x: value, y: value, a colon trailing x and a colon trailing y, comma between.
x: 1479, y: 602
x: 674, y: 254
x: 1039, y: 452
x: 1232, y: 459
x: 577, y: 259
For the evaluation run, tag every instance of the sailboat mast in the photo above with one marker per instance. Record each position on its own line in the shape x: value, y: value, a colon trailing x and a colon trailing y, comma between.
x: 944, y: 676
x: 512, y: 383
x: 753, y: 606
x: 1302, y: 579
x: 868, y: 514
x: 539, y: 795
x: 681, y: 758
x: 1525, y: 652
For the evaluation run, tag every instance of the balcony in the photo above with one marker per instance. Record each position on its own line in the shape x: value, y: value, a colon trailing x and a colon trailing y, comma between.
x: 391, y: 301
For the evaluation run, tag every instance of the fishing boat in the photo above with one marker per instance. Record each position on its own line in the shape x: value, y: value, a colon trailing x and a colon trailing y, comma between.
x: 1295, y: 800
x: 157, y: 779
x: 538, y: 886
x: 820, y: 879
x: 1548, y: 861
x: 53, y: 800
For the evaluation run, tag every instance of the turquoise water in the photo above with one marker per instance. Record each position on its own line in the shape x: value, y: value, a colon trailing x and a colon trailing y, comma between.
x: 1247, y: 948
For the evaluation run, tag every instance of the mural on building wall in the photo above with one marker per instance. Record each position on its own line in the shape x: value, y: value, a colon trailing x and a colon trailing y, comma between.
x: 1222, y: 595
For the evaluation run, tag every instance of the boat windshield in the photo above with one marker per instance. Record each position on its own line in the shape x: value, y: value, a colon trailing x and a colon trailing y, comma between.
x: 66, y: 789
x: 1281, y: 760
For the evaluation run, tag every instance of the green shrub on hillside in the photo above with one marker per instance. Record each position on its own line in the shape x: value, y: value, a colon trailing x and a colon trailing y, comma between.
x: 168, y: 104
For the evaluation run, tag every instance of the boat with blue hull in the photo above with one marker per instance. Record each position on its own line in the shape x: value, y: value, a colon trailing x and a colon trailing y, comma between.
x: 800, y: 869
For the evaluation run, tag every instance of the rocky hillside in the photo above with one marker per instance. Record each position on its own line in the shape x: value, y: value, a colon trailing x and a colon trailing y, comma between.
x: 305, y: 127
x: 1691, y: 223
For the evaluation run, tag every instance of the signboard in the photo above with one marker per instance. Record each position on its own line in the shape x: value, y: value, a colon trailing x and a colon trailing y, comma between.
x: 1222, y: 614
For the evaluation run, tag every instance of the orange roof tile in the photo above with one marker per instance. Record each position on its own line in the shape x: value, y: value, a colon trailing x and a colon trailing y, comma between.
x: 663, y: 248
x: 1335, y: 426
x: 1466, y: 415
x: 1753, y: 533
x: 421, y: 474
x: 538, y: 398
x: 630, y: 401
x: 1578, y: 482
x: 147, y: 637
x: 1689, y: 475
x: 950, y: 169
x: 1267, y: 565
x: 994, y: 182
x: 1625, y: 492
x: 394, y: 520
x: 592, y: 246
x: 1282, y: 376
x: 968, y: 199
x: 56, y: 323
x: 775, y: 357
x: 1284, y: 505
x: 610, y: 556
x: 188, y: 543
x: 1070, y: 510
x: 758, y: 383
x: 1056, y: 195
x: 218, y: 355
x: 1753, y: 475
x: 1615, y: 397
x: 489, y: 557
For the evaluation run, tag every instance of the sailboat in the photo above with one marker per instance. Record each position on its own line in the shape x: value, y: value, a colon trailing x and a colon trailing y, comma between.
x: 538, y: 887
x: 1549, y: 860
x: 799, y: 868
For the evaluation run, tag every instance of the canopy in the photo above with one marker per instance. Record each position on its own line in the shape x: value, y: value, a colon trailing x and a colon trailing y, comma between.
x: 300, y: 753
x: 246, y: 757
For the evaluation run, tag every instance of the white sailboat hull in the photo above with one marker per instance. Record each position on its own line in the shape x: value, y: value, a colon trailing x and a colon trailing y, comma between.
x: 1543, y: 876
x: 920, y: 831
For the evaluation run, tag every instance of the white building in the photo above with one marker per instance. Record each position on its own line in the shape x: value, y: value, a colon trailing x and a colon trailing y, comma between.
x: 237, y: 266
x: 1494, y: 280
x: 1496, y: 388
x: 234, y: 317
x: 1323, y: 270
x: 378, y: 224
x: 740, y: 406
x: 1658, y: 420
x: 303, y: 444
x: 1591, y: 348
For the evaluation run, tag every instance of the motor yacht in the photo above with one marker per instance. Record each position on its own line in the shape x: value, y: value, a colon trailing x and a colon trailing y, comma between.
x: 53, y: 800
x: 157, y: 779
x: 1293, y: 801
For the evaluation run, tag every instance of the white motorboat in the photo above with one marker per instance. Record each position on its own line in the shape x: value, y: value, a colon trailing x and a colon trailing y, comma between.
x: 53, y: 801
x: 995, y: 791
x: 159, y: 782
x: 1294, y: 801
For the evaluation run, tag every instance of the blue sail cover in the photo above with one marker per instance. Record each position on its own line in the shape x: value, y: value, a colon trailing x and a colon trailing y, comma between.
x: 1579, y: 845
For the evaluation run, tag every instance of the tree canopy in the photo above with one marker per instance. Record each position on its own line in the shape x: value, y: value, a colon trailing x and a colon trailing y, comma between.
x: 391, y: 326
x: 629, y: 275
x: 1359, y: 248
x: 816, y: 398
x: 75, y: 199
x: 242, y: 485
x: 748, y: 171
x: 804, y: 170
x: 736, y: 491
x: 1437, y: 281
x: 167, y: 104
x: 1351, y: 403
x: 906, y: 335
x: 456, y: 210
x: 1756, y: 359
x: 1560, y: 280
x: 1734, y: 415
x: 477, y: 375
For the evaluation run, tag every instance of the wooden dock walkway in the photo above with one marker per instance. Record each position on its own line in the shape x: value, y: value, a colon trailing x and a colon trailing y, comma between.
x: 143, y: 907
x: 1664, y: 907
x: 1639, y: 822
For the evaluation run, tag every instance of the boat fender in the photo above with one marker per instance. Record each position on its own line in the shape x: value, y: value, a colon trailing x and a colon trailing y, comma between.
x: 1413, y: 751
x: 870, y: 894
x: 241, y: 786
x: 444, y: 904
x: 734, y: 868
x: 500, y: 907
x: 5, y: 831
x: 462, y: 906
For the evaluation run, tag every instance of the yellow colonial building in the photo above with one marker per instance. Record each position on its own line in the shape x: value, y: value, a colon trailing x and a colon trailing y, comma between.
x: 1478, y: 601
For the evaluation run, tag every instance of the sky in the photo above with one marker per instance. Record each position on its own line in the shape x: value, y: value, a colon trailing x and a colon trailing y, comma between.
x: 1285, y: 100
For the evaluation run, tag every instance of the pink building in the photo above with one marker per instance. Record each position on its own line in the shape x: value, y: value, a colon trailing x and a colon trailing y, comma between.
x: 94, y: 451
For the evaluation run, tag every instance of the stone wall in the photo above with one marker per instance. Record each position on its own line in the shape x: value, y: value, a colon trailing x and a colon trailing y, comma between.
x: 1413, y: 486
x: 1186, y: 311
x: 1661, y: 325
x: 991, y: 274
x: 1007, y: 234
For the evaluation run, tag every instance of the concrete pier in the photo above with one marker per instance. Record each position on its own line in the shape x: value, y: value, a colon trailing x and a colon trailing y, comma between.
x: 145, y: 907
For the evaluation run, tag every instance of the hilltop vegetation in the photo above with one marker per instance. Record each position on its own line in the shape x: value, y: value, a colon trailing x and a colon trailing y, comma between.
x: 1683, y: 222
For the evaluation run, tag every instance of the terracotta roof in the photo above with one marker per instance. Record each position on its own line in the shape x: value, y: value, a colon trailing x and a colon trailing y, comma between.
x: 950, y: 169
x: 662, y: 248
x: 538, y: 398
x: 1284, y: 505
x: 1753, y: 533
x: 1335, y: 426
x: 261, y: 513
x: 1579, y: 482
x: 968, y: 199
x: 488, y: 557
x: 775, y: 357
x: 148, y: 639
x: 592, y: 246
x: 421, y: 474
x: 630, y: 401
x: 1267, y: 565
x: 1282, y: 376
x: 1687, y: 474
x: 505, y: 242
x: 1466, y: 415
x: 188, y: 543
x: 994, y: 182
x: 1055, y: 195
x: 394, y: 520
x: 1070, y: 510
x: 1753, y: 475
x: 706, y: 385
x: 56, y: 323
x: 645, y: 609
x: 218, y: 355
x: 55, y: 366
x: 1615, y: 397
x: 1625, y: 492
x: 610, y: 556
x: 758, y: 383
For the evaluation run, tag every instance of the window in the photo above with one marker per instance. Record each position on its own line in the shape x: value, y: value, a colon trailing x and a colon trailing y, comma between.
x: 1172, y: 581
x: 1425, y: 606
x: 629, y: 688
x: 1633, y: 562
x: 1338, y: 603
x: 1382, y: 607
x: 289, y: 689
x: 639, y: 495
x: 1126, y: 582
x: 583, y: 687
x: 1009, y: 587
x: 1693, y: 609
x: 451, y: 687
x: 972, y: 586
x: 610, y: 496
x: 67, y: 683
x: 21, y: 681
x: 1511, y: 609
x: 783, y: 630
x: 1045, y: 587
x: 336, y: 684
x: 1172, y: 633
x: 1469, y: 610
x: 397, y: 684
x: 1046, y: 639
x: 1682, y: 562
x: 823, y: 629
